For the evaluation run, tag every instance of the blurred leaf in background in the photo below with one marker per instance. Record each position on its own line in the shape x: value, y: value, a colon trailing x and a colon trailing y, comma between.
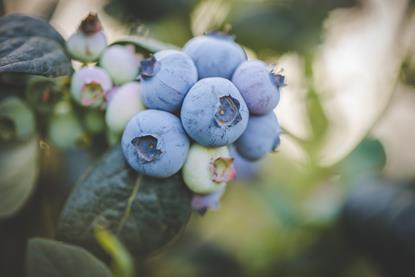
x: 275, y: 27
x: 55, y: 259
x: 159, y: 16
x: 136, y: 10
x: 19, y: 153
x: 378, y: 220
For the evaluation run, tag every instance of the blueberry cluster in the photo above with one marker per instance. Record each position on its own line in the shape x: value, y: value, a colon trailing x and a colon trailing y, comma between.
x: 181, y: 110
x: 108, y: 78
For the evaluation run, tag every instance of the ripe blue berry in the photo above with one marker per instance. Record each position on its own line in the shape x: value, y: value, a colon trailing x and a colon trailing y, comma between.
x: 215, y: 55
x: 258, y: 85
x: 121, y: 63
x: 122, y: 106
x: 207, y: 170
x: 88, y: 42
x: 260, y: 137
x: 204, y: 202
x: 166, y: 78
x: 155, y: 144
x: 214, y: 113
x: 245, y: 170
x: 89, y: 85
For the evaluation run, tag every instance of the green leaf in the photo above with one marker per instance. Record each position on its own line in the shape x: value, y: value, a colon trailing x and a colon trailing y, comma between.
x: 128, y: 11
x: 51, y: 258
x: 19, y: 169
x: 144, y: 213
x: 267, y: 27
x: 30, y: 45
x: 146, y: 45
x: 367, y: 159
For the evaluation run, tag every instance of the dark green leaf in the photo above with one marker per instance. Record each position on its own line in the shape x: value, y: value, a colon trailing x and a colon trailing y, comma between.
x: 51, y: 258
x: 145, y: 45
x: 145, y: 213
x: 32, y: 46
x: 143, y: 10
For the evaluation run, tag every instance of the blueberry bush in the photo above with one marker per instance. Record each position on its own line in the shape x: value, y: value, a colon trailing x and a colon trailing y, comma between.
x: 113, y: 153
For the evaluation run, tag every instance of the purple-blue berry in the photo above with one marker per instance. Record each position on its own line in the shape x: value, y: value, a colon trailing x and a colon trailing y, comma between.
x: 259, y: 86
x: 214, y: 112
x: 245, y: 170
x: 166, y: 77
x: 260, y: 137
x: 201, y: 203
x: 215, y: 55
x: 155, y: 144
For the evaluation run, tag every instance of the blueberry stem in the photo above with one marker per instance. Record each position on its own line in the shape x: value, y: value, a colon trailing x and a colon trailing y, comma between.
x: 149, y: 67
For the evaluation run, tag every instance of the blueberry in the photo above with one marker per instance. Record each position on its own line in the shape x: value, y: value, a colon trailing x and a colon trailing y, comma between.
x: 214, y: 113
x: 202, y: 203
x: 166, y: 78
x: 260, y: 137
x: 215, y: 55
x: 207, y: 170
x: 87, y: 43
x: 258, y: 85
x: 155, y: 144
x: 245, y: 170
x: 121, y: 63
x: 123, y: 105
x: 89, y: 85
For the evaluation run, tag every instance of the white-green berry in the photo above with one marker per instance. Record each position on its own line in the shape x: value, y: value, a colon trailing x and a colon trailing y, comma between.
x: 123, y: 105
x: 208, y: 169
x: 88, y: 42
x: 121, y: 63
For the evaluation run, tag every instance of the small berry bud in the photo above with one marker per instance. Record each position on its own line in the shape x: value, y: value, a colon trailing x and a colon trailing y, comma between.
x: 87, y: 43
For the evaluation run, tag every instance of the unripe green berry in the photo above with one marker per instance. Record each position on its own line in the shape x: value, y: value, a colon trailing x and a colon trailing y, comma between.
x: 123, y: 105
x: 208, y: 169
x: 88, y: 42
x: 121, y: 63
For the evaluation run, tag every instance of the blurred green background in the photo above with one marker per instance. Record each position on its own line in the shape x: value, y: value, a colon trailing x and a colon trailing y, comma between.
x: 336, y: 200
